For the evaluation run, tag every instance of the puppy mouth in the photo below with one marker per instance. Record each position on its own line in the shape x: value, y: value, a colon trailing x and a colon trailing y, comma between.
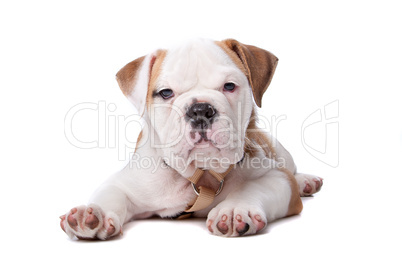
x: 203, y: 138
x: 202, y: 133
x: 200, y: 129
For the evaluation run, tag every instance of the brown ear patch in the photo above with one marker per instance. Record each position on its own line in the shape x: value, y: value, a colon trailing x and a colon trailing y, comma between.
x: 155, y: 73
x: 233, y: 55
x: 258, y: 64
x: 138, y: 78
x: 127, y: 75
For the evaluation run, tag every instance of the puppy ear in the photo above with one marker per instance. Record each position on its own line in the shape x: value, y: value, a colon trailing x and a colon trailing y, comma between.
x: 134, y: 80
x: 259, y: 66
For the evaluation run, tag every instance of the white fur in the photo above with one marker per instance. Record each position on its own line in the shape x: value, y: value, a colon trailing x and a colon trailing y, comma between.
x: 138, y: 94
x: 197, y: 70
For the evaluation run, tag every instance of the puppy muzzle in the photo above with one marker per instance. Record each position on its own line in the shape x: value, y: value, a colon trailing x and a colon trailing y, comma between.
x: 201, y: 115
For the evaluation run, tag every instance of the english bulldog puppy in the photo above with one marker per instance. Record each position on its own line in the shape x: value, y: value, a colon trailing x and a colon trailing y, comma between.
x: 208, y: 157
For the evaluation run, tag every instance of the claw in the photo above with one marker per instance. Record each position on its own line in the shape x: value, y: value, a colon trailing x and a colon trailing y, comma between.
x: 258, y: 222
x: 307, y: 189
x: 91, y: 221
x: 222, y: 226
x: 209, y: 225
x: 111, y: 229
x: 72, y: 221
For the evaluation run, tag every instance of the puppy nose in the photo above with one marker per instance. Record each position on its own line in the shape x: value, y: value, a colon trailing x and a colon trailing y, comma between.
x: 201, y: 111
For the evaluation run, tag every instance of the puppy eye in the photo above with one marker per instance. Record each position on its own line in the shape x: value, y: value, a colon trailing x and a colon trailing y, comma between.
x: 166, y: 93
x: 229, y: 87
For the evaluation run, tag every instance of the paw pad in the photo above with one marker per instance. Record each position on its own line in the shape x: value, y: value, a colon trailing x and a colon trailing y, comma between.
x: 222, y: 226
x: 242, y: 227
x: 308, y: 184
x: 245, y: 222
x: 89, y: 223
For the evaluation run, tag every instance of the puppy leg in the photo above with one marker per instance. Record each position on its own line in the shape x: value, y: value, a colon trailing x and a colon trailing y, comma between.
x: 308, y: 184
x: 251, y: 206
x: 101, y: 219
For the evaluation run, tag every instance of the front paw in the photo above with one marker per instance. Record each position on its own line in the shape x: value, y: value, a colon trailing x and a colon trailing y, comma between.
x: 235, y: 220
x: 308, y: 184
x: 89, y: 223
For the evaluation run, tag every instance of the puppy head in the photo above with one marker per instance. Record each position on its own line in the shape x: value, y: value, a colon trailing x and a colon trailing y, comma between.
x: 198, y: 100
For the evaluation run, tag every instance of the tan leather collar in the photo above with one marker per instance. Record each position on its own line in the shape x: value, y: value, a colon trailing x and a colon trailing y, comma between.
x: 205, y: 195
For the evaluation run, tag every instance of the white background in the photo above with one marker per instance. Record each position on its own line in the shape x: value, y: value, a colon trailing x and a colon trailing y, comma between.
x: 55, y: 55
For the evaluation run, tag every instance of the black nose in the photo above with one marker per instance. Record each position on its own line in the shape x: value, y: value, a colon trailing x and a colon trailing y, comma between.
x: 201, y: 114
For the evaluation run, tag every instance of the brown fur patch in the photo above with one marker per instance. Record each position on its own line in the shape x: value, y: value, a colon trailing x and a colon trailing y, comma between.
x: 295, y: 204
x: 257, y: 140
x: 233, y: 56
x: 258, y: 65
x: 255, y: 137
x: 155, y: 73
x: 127, y: 75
